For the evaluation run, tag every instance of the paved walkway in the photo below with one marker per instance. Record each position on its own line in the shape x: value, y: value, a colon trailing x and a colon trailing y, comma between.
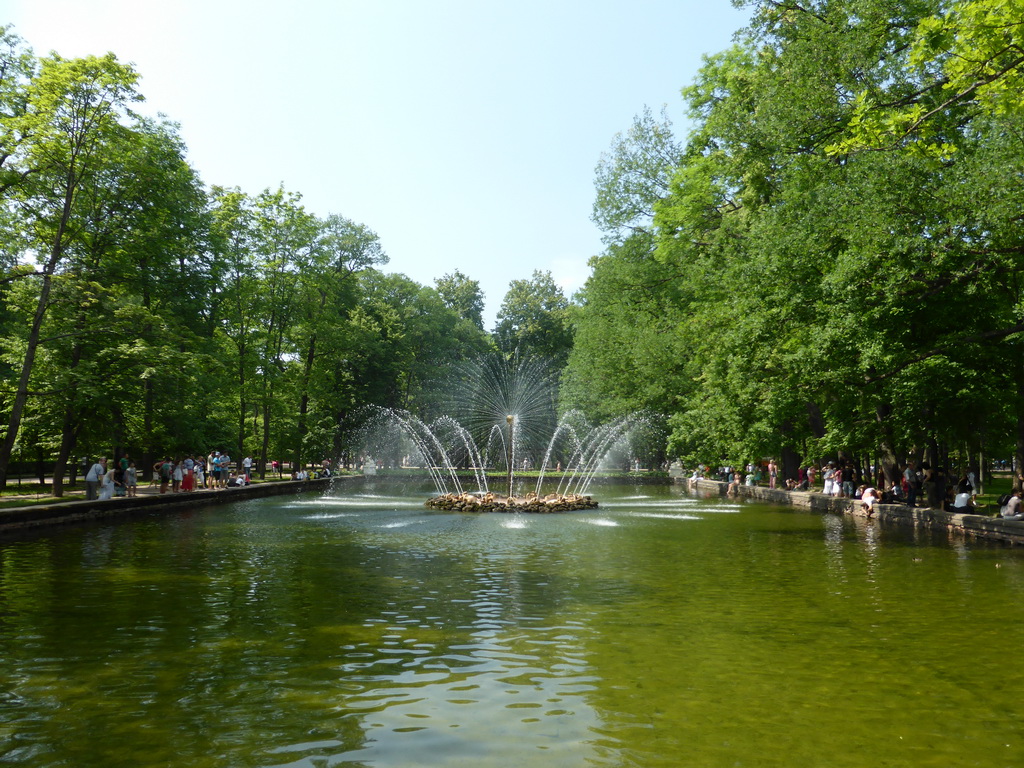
x: 78, y: 491
x: 972, y: 524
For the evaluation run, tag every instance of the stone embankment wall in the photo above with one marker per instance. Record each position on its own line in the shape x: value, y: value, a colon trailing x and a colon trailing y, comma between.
x: 982, y: 526
x: 82, y: 511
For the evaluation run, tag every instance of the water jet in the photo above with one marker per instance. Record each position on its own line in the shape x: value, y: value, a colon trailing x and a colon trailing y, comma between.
x: 507, y: 417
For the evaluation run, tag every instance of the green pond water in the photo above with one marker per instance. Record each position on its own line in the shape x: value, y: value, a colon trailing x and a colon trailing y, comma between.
x: 361, y: 629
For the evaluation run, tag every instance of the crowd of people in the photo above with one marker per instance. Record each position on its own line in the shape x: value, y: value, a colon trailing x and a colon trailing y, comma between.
x: 187, y: 473
x: 182, y: 474
x: 932, y: 485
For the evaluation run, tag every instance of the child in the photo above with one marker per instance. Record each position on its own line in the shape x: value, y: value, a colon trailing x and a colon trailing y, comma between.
x: 131, y: 480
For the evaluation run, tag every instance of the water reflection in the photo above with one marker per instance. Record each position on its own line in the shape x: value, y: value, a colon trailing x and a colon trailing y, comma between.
x: 365, y: 630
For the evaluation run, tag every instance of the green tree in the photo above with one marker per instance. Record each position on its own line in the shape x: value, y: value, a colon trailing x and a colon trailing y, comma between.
x: 118, y: 330
x: 534, y: 316
x: 75, y: 111
x: 463, y: 296
x: 816, y: 300
x: 627, y: 354
x: 328, y: 291
x: 17, y: 69
x: 634, y: 174
x: 967, y: 59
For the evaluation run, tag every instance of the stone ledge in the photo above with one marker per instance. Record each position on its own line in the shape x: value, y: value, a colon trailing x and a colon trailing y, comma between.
x: 64, y: 512
x: 982, y: 526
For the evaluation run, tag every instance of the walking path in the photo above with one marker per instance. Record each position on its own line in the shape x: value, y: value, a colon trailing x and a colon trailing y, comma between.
x: 981, y: 526
x: 74, y: 508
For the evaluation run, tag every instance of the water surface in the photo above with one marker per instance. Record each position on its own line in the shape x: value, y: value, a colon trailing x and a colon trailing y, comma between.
x: 361, y: 629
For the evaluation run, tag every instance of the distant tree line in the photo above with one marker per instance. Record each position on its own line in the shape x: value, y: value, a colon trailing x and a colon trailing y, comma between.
x: 141, y: 311
x: 832, y: 262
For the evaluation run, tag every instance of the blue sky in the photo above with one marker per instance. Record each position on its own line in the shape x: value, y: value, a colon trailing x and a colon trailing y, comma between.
x: 464, y: 133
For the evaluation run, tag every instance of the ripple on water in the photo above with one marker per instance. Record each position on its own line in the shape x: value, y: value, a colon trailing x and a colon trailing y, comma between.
x: 665, y: 515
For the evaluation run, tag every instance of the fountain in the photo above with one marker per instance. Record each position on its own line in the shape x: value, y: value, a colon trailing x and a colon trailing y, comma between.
x: 507, y: 420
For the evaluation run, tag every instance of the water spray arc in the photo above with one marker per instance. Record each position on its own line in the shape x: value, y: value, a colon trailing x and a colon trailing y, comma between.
x: 510, y: 405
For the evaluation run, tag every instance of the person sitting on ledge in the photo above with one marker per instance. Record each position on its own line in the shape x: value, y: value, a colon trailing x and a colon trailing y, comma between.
x: 734, y: 486
x: 964, y: 499
x: 893, y: 495
x: 1011, y: 510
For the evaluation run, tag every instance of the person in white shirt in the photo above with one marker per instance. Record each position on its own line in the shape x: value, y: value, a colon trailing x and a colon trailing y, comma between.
x: 1011, y: 511
x: 93, y: 478
x: 107, y: 485
x: 868, y: 499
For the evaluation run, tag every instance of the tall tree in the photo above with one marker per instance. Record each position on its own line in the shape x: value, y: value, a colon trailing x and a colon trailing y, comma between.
x: 534, y: 316
x: 463, y: 296
x: 75, y: 109
x: 634, y: 175
x: 327, y: 294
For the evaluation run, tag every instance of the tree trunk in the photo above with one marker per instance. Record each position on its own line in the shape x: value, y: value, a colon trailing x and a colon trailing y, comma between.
x: 148, y: 449
x: 32, y: 345
x: 304, y: 399
x: 69, y: 437
x: 71, y: 425
x: 339, y: 443
x: 887, y: 458
x: 1018, y: 455
x: 266, y: 432
x: 242, y: 350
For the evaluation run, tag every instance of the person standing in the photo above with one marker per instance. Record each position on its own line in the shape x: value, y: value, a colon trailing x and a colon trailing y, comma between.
x: 247, y: 466
x: 910, y: 476
x: 187, y: 474
x: 773, y: 473
x: 177, y: 474
x: 224, y: 465
x: 848, y: 481
x: 200, y: 475
x: 93, y: 478
x: 830, y: 475
x: 164, y: 468
x: 131, y: 479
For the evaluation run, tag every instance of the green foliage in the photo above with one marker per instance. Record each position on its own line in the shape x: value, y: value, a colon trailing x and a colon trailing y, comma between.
x: 143, y: 312
x: 796, y: 295
x: 534, y: 317
x: 634, y: 174
x: 966, y: 59
x: 463, y: 296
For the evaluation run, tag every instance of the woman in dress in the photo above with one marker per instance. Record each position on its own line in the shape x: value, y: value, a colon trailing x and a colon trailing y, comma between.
x: 107, y: 487
x: 131, y: 479
x: 187, y: 476
x: 199, y: 476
